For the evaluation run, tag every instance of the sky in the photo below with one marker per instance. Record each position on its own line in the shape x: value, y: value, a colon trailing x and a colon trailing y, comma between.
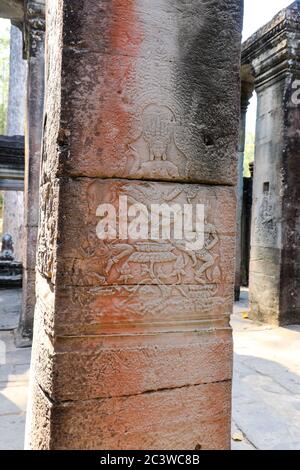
x: 256, y: 14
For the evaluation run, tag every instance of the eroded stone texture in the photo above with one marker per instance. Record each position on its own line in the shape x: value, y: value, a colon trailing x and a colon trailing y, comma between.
x: 105, y: 309
x: 139, y: 109
x: 174, y: 419
x: 82, y: 259
x: 274, y: 273
x: 132, y: 345
x: 132, y: 358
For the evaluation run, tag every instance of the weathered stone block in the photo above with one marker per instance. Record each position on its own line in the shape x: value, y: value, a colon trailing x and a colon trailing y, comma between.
x: 119, y: 121
x: 151, y: 308
x: 87, y: 261
x: 178, y: 419
x: 264, y: 298
x: 134, y: 28
x: 148, y: 135
x: 146, y: 360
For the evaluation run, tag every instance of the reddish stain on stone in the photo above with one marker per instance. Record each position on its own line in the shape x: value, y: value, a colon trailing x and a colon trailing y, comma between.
x: 124, y: 32
x: 114, y: 116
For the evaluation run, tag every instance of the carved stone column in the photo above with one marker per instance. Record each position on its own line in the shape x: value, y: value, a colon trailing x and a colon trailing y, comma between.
x: 275, y: 249
x: 132, y: 344
x: 247, y: 86
x: 34, y: 31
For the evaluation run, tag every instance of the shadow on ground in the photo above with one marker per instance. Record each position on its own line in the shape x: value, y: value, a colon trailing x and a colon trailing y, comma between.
x: 266, y: 383
x: 266, y: 404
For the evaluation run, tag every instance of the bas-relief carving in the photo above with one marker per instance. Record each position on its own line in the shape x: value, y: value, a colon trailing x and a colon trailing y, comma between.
x: 164, y: 262
x: 154, y: 152
x: 187, y: 278
x: 152, y: 301
x: 151, y: 262
x: 47, y: 230
x: 266, y: 229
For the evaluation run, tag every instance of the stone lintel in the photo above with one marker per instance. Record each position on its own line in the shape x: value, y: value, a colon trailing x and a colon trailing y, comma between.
x: 247, y: 86
x: 12, y: 157
x: 12, y: 10
x: 273, y: 51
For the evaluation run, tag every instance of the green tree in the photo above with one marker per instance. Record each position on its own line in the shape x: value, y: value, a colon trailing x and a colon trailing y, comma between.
x: 249, y: 153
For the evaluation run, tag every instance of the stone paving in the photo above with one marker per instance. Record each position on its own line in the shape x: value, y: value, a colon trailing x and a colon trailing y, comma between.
x: 10, y: 305
x: 266, y: 386
x: 14, y: 372
x: 266, y: 390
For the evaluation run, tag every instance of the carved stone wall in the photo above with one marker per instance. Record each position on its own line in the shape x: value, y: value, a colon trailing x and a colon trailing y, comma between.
x: 132, y: 344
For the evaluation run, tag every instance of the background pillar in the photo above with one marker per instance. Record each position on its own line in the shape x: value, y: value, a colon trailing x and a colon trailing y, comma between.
x: 13, y: 210
x: 247, y: 86
x: 34, y: 46
x: 275, y: 250
x: 132, y: 344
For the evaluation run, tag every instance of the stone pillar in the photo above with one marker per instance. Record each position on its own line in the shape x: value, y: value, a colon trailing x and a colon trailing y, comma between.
x: 132, y: 344
x: 13, y: 211
x: 247, y: 87
x: 34, y: 47
x: 275, y: 249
